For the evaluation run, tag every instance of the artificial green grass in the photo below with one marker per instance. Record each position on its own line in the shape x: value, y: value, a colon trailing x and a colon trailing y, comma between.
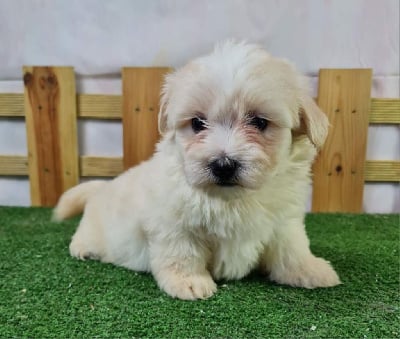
x: 46, y: 293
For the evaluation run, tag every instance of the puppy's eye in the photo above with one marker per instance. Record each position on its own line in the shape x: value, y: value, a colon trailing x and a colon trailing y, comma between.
x: 259, y: 123
x: 198, y: 125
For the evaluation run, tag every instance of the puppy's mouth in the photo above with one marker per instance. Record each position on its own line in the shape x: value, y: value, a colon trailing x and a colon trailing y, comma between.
x: 226, y: 184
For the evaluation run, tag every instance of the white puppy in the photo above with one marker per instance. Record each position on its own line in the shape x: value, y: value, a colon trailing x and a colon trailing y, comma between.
x: 225, y: 191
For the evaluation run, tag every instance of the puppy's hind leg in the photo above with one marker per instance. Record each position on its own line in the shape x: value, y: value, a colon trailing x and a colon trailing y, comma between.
x: 289, y: 260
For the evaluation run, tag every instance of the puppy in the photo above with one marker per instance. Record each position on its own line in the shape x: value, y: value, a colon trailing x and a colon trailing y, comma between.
x: 225, y: 191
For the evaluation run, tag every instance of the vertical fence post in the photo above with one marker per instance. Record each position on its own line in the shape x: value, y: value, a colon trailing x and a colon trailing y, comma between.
x: 51, y: 123
x: 345, y: 96
x: 140, y: 105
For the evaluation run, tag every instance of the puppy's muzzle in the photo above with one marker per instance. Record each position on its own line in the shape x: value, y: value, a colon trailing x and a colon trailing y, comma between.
x: 225, y: 170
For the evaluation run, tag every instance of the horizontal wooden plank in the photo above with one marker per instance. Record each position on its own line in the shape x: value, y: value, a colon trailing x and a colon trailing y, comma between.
x: 384, y: 111
x: 89, y: 106
x: 15, y: 165
x: 96, y: 106
x: 12, y: 105
x: 99, y: 106
x: 375, y: 171
x: 100, y: 166
x: 381, y: 171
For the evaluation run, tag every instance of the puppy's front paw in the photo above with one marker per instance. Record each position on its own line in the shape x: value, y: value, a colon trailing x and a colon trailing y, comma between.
x: 312, y: 273
x: 80, y: 251
x: 192, y: 287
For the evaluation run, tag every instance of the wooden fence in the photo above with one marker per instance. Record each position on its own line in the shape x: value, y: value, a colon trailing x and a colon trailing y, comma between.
x: 51, y: 108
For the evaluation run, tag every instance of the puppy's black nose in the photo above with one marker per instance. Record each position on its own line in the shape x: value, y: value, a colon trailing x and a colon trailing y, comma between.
x: 224, y: 169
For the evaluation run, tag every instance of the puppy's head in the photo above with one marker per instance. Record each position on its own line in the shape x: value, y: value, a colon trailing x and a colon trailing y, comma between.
x: 232, y: 114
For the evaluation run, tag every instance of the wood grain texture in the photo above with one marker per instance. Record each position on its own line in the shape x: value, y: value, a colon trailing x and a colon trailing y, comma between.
x: 99, y: 106
x: 12, y: 105
x: 385, y: 111
x: 101, y: 166
x: 50, y: 113
x: 140, y: 102
x: 13, y: 165
x: 382, y: 171
x: 344, y: 95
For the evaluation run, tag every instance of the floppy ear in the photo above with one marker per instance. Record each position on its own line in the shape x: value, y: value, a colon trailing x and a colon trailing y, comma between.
x: 314, y: 121
x: 162, y: 114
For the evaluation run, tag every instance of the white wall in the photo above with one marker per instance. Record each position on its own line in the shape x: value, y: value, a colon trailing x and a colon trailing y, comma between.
x: 98, y: 37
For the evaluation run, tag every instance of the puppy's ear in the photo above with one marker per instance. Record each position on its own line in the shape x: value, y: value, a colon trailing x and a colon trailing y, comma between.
x: 313, y: 121
x: 162, y: 114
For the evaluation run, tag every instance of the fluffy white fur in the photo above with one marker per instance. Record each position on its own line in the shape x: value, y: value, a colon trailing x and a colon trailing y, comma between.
x: 170, y: 216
